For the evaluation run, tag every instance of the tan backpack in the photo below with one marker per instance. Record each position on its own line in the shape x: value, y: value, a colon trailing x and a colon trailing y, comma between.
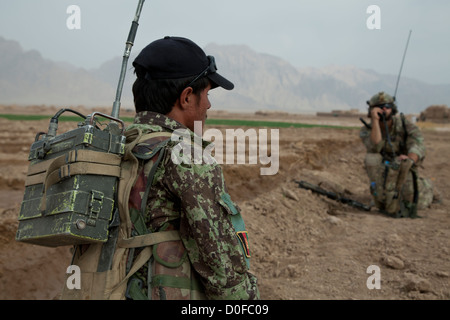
x: 100, y: 280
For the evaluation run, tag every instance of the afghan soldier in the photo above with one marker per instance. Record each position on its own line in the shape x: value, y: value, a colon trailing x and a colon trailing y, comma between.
x: 174, y: 77
x: 395, y: 150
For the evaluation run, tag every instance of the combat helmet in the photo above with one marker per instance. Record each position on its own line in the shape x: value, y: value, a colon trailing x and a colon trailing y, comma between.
x: 380, y: 99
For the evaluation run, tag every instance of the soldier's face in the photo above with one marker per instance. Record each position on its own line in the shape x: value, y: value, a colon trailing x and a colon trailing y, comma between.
x: 387, y: 112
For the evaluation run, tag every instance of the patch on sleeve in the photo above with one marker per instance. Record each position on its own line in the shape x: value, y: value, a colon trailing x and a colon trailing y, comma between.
x: 243, y: 238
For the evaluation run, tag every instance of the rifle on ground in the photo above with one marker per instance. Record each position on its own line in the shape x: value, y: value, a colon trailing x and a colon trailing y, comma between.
x: 332, y: 195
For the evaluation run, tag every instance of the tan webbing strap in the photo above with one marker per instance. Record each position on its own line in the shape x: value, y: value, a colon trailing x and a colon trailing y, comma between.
x: 35, y: 179
x: 140, y: 260
x: 39, y: 167
x: 69, y: 170
x: 37, y: 172
x: 94, y: 156
x: 132, y: 136
x: 128, y: 177
x: 144, y: 241
x: 149, y: 239
x: 75, y: 169
x: 75, y: 163
x: 75, y: 156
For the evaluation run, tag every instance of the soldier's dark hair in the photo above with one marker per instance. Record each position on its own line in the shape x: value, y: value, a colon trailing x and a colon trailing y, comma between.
x: 159, y: 95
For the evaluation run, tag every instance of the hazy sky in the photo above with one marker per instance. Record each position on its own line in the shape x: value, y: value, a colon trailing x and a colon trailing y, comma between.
x: 306, y: 33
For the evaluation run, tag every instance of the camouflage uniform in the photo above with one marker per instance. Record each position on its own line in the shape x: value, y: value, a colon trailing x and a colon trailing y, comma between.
x: 385, y: 153
x: 212, y: 258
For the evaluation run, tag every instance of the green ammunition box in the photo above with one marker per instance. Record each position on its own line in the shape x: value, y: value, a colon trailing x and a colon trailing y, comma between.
x: 70, y: 189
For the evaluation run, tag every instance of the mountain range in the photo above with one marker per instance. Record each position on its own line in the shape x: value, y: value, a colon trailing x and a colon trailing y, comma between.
x: 262, y: 82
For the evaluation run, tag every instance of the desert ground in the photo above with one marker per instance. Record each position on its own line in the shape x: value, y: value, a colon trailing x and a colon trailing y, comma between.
x: 304, y: 246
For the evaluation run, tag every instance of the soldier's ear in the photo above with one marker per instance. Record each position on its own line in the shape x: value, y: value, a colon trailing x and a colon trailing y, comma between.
x: 186, y: 97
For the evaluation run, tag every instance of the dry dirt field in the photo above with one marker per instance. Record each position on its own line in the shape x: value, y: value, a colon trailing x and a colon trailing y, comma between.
x: 304, y: 246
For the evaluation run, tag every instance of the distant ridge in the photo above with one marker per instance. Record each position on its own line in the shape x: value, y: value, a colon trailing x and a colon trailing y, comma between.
x: 262, y: 82
x: 274, y: 83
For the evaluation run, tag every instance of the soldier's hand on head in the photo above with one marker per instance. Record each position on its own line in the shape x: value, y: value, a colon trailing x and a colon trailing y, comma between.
x: 375, y: 113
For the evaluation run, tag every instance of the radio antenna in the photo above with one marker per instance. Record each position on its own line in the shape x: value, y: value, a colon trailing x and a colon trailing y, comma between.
x: 401, y: 66
x: 126, y: 55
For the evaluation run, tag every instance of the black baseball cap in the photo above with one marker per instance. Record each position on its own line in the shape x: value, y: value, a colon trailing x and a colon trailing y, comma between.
x: 177, y: 57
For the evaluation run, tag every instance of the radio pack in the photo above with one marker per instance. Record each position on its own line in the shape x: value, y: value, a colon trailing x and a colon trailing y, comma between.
x: 71, y: 182
x: 71, y: 186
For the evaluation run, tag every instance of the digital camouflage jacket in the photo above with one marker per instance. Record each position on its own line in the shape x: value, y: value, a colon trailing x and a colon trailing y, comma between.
x: 212, y: 258
x: 414, y: 141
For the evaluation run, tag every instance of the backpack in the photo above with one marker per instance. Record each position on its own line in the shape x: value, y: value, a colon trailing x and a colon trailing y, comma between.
x: 100, y: 281
x: 76, y: 193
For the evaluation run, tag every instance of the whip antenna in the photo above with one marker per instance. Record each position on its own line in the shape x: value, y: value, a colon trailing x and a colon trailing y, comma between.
x: 126, y: 55
x: 401, y: 66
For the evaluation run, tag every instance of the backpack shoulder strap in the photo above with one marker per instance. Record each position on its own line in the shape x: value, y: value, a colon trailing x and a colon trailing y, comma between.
x: 129, y: 168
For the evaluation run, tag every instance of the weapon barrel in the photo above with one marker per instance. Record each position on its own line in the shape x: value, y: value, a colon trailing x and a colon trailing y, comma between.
x: 332, y: 195
x: 312, y: 187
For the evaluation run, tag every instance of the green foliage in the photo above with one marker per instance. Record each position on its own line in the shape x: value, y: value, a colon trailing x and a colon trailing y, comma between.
x: 227, y: 122
x: 270, y: 124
